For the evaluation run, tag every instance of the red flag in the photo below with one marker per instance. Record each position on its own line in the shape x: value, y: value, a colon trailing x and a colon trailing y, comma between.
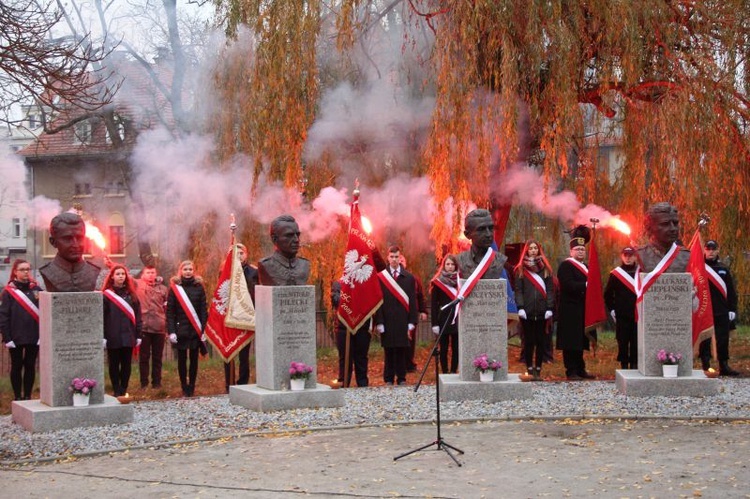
x: 703, y: 316
x: 595, y: 313
x: 227, y: 340
x: 360, y: 287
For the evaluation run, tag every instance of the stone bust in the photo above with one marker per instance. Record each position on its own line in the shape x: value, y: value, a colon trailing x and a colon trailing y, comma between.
x: 662, y: 224
x: 283, y: 267
x: 68, y: 271
x: 480, y: 229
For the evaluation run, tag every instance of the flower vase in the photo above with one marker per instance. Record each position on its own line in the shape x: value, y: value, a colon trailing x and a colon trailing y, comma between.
x: 486, y: 376
x: 669, y: 370
x: 80, y: 399
x: 297, y: 384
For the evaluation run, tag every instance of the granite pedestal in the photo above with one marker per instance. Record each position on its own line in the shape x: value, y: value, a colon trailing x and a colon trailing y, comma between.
x: 284, y: 333
x: 70, y: 346
x: 483, y: 328
x: 632, y: 383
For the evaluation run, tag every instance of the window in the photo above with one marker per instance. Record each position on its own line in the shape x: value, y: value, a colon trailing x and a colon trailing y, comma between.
x: 17, y: 227
x: 119, y: 126
x: 116, y: 234
x: 82, y: 189
x: 82, y: 132
x: 115, y: 188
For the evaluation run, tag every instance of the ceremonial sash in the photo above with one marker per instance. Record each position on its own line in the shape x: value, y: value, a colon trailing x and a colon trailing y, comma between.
x: 390, y: 283
x: 579, y: 266
x: 25, y: 302
x: 537, y: 281
x: 450, y: 291
x: 468, y: 286
x: 626, y: 279
x: 717, y: 281
x: 651, y: 277
x: 187, y: 306
x: 121, y: 304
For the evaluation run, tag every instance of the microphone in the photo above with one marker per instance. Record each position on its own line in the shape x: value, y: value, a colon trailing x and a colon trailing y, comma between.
x: 454, y: 302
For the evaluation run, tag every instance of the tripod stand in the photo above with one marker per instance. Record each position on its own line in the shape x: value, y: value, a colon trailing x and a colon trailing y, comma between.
x: 439, y: 443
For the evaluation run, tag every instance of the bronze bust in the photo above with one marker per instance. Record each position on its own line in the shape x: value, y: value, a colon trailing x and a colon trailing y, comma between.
x: 480, y: 229
x: 662, y: 225
x: 68, y: 271
x: 283, y: 267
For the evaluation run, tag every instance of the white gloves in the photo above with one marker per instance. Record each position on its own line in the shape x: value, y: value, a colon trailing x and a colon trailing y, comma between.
x: 380, y: 328
x: 732, y: 316
x: 548, y: 314
x: 138, y: 342
x: 612, y: 314
x: 436, y: 330
x: 522, y: 314
x: 173, y: 338
x: 203, y: 337
x: 10, y: 344
x: 104, y: 342
x: 412, y: 327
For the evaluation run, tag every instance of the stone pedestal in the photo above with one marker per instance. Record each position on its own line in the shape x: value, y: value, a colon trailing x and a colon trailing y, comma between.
x: 70, y: 346
x: 665, y: 321
x: 483, y: 328
x: 284, y: 332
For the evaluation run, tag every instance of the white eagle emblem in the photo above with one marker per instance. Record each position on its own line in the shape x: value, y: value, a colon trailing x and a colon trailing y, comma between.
x: 220, y: 303
x: 356, y: 269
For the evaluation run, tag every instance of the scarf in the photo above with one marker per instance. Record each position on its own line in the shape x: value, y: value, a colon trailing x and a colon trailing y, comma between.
x: 449, y: 278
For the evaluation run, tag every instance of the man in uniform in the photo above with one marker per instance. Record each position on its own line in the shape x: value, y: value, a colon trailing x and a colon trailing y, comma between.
x: 662, y: 225
x: 724, y: 304
x: 251, y: 279
x: 68, y: 271
x: 571, y: 336
x: 283, y: 267
x: 620, y: 296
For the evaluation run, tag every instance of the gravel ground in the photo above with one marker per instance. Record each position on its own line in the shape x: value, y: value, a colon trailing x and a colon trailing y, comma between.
x: 171, y: 421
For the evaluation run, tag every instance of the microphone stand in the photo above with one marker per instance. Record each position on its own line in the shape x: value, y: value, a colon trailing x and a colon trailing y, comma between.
x: 439, y: 443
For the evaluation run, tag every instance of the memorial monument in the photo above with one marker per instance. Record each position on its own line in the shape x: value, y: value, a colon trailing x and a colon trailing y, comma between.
x: 482, y: 320
x: 285, y: 329
x: 70, y: 339
x: 664, y: 313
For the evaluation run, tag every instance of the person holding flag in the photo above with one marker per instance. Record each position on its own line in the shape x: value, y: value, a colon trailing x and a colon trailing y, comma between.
x: 620, y: 296
x: 535, y: 296
x: 572, y: 276
x: 186, y: 321
x: 724, y: 306
x: 122, y: 326
x: 19, y: 324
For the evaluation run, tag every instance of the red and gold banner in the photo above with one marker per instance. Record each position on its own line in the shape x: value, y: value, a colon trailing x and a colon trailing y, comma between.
x: 703, y: 315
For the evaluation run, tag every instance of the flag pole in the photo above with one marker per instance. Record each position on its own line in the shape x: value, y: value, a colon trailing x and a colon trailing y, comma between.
x: 348, y: 341
x: 232, y: 229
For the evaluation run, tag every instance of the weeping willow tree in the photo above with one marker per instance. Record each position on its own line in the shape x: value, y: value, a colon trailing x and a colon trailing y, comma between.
x: 542, y: 83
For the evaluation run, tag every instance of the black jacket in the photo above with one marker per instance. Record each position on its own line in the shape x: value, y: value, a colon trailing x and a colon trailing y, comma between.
x: 619, y: 297
x: 119, y: 331
x: 571, y: 315
x: 394, y: 317
x: 177, y: 319
x: 721, y: 305
x: 531, y: 300
x: 16, y: 323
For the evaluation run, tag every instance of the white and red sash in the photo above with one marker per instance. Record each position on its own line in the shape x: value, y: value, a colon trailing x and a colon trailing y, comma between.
x: 584, y: 270
x: 25, y: 302
x: 449, y: 291
x: 387, y: 279
x: 626, y: 279
x: 537, y: 281
x: 468, y: 286
x: 662, y: 266
x: 717, y: 281
x: 188, y: 307
x: 120, y: 302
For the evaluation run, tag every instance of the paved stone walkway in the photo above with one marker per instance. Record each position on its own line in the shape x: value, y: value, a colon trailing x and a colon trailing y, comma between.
x: 604, y: 458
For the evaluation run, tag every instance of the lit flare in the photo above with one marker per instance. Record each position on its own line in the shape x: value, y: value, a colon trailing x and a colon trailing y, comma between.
x: 95, y: 235
x: 366, y: 225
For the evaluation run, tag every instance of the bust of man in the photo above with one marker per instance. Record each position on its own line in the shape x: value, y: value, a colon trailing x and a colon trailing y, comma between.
x: 662, y: 225
x: 284, y: 268
x: 480, y: 229
x: 68, y: 271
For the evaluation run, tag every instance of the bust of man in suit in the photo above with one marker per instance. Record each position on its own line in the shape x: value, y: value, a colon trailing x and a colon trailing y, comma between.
x: 68, y: 271
x: 284, y: 267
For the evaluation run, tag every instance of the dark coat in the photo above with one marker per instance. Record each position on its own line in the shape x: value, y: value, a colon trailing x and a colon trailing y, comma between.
x: 438, y: 299
x: 393, y: 315
x: 177, y: 319
x: 722, y: 306
x: 618, y: 297
x: 531, y: 300
x: 16, y: 323
x: 118, y: 330
x: 251, y: 278
x: 572, y: 313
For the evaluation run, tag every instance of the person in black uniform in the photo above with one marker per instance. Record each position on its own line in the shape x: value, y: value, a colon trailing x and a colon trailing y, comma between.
x: 19, y: 324
x: 359, y: 346
x: 620, y: 296
x: 724, y: 304
x: 251, y: 278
